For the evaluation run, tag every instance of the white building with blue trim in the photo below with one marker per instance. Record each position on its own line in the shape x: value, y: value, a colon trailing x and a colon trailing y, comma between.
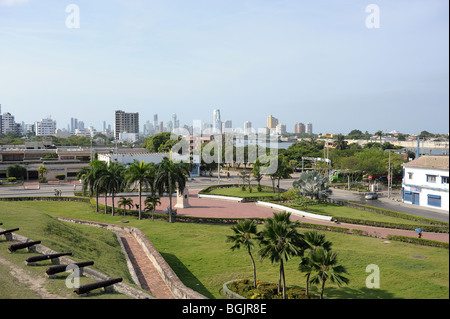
x: 426, y: 182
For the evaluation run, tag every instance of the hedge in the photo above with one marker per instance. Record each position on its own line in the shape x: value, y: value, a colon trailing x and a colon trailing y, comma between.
x: 392, y: 213
x: 419, y: 241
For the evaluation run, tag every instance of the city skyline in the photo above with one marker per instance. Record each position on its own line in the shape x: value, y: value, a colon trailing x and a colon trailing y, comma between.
x: 301, y: 62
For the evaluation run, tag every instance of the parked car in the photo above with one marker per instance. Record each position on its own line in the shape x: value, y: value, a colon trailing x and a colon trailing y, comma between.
x: 371, y: 195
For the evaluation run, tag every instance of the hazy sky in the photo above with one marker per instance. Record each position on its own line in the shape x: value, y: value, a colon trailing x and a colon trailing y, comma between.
x: 301, y: 61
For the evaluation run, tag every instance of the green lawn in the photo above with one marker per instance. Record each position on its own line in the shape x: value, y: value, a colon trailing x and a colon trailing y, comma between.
x: 238, y: 192
x: 202, y: 259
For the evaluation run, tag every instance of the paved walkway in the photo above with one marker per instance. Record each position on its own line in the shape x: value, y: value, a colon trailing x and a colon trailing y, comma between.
x: 147, y: 274
x: 202, y: 207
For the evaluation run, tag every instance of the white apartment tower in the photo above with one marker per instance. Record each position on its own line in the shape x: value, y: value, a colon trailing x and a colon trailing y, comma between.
x: 45, y: 127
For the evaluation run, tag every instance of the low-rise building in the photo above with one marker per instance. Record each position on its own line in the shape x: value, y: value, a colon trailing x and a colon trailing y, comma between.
x: 425, y: 182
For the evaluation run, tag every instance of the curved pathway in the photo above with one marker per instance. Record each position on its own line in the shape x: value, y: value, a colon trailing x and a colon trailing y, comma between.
x: 202, y: 207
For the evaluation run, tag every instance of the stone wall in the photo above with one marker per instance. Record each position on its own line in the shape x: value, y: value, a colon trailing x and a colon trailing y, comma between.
x: 179, y: 290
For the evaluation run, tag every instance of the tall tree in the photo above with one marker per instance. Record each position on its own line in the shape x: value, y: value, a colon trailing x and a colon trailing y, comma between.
x: 244, y: 234
x: 280, y: 242
x: 141, y: 175
x: 112, y: 181
x: 171, y: 176
x: 89, y: 175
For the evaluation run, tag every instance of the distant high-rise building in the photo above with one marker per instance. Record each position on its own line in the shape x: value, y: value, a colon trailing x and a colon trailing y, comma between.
x: 247, y: 127
x: 155, y: 124
x: 272, y: 122
x: 45, y: 127
x: 73, y: 124
x: 8, y: 124
x: 175, y: 121
x: 217, y: 122
x: 299, y: 128
x: 309, y: 128
x: 126, y: 123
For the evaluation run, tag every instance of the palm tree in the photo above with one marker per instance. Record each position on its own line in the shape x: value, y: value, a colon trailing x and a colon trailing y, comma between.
x: 112, y: 181
x: 313, y: 184
x: 324, y: 263
x: 171, y: 176
x: 89, y: 175
x: 280, y: 241
x: 151, y: 202
x: 244, y: 233
x: 313, y: 239
x: 379, y: 134
x: 340, y: 143
x: 141, y: 175
x: 125, y: 202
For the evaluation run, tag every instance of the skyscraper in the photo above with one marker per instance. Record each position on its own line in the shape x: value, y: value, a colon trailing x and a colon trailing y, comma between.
x: 126, y: 123
x: 309, y: 128
x: 299, y: 128
x: 155, y: 123
x: 272, y: 122
x: 217, y: 123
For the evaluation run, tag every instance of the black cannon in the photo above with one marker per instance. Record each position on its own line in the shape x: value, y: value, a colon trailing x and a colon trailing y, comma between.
x: 63, y: 268
x: 27, y: 244
x: 100, y: 284
x: 7, y: 233
x: 34, y: 259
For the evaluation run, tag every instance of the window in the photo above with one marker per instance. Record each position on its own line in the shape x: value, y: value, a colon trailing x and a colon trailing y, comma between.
x: 431, y: 178
x: 434, y: 200
x: 410, y: 175
x: 407, y: 196
x: 444, y: 179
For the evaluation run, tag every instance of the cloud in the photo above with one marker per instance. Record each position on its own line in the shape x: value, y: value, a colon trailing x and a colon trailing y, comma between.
x: 10, y: 3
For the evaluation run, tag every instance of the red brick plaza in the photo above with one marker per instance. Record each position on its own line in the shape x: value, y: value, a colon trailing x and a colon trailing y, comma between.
x: 205, y: 207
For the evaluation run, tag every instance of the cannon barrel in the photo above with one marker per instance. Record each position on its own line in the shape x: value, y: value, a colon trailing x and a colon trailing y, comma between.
x: 46, y: 257
x: 62, y: 268
x: 8, y: 231
x: 100, y: 284
x: 28, y: 244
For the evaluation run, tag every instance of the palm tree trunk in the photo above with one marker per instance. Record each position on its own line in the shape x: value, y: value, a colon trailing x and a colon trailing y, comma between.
x: 170, y: 198
x: 307, y: 284
x: 254, y: 267
x: 284, y: 279
x: 112, y: 203
x: 106, y: 202
x: 96, y: 200
x: 323, y: 287
x: 140, y: 199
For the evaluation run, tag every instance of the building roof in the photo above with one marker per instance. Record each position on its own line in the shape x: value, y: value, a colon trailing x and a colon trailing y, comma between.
x: 433, y: 162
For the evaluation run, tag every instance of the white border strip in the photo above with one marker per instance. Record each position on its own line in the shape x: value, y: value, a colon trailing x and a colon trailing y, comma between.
x: 294, y: 211
x: 233, y: 199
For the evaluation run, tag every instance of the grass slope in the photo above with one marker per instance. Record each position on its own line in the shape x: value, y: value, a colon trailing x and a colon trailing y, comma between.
x: 203, y: 261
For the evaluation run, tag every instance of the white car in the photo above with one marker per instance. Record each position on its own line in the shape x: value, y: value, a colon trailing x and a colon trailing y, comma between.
x: 371, y: 195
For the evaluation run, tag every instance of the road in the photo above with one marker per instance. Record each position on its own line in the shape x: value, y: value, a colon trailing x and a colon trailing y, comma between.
x: 33, y: 189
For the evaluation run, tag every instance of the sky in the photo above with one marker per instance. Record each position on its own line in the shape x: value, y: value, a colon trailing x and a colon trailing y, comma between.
x: 319, y: 61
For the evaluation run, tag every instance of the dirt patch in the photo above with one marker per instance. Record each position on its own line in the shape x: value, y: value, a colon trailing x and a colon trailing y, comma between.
x: 33, y: 283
